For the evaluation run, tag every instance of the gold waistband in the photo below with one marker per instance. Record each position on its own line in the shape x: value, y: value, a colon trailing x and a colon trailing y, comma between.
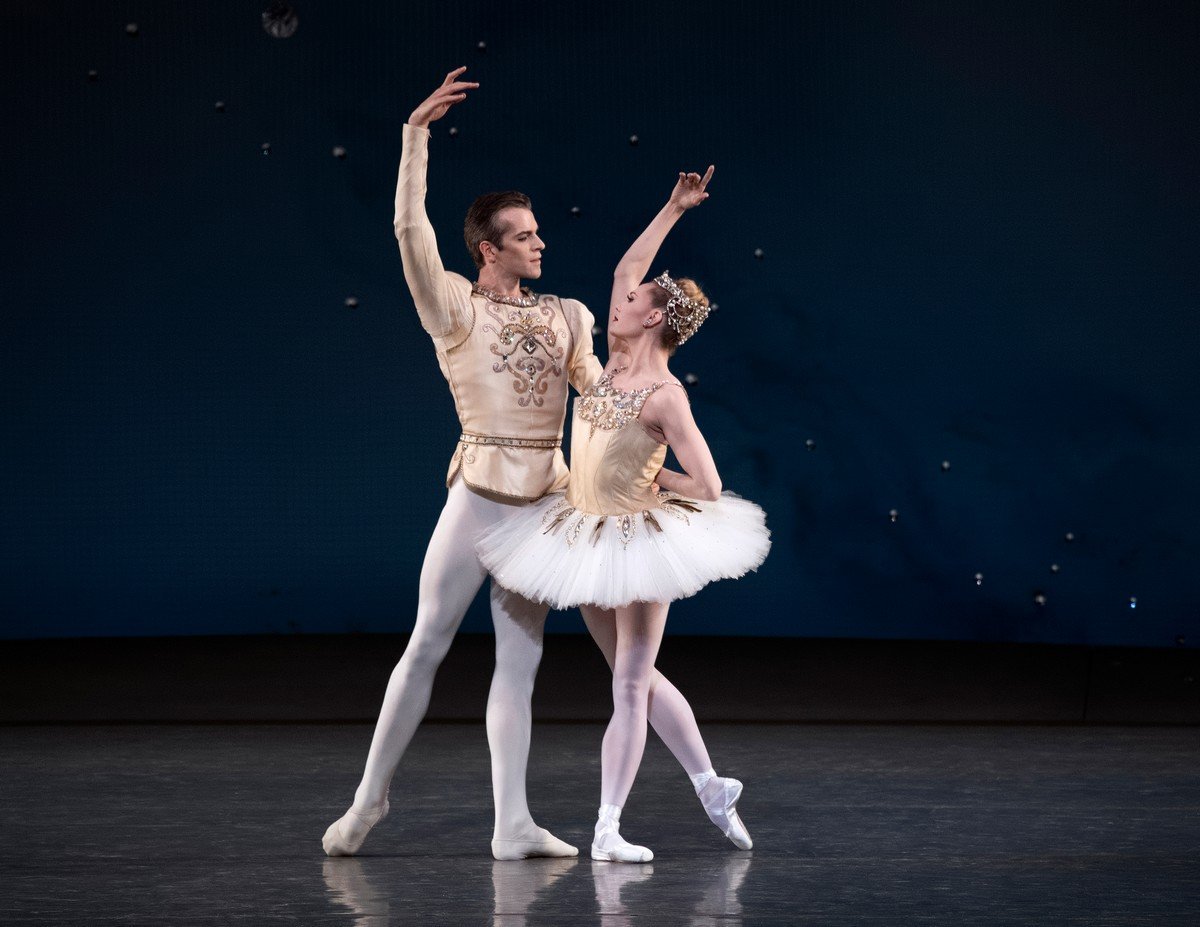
x: 548, y: 443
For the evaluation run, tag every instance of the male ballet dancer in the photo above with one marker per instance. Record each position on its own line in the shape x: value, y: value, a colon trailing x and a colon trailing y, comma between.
x: 508, y: 356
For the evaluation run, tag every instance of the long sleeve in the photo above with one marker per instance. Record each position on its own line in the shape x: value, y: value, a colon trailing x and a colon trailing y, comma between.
x: 442, y: 301
x: 584, y: 368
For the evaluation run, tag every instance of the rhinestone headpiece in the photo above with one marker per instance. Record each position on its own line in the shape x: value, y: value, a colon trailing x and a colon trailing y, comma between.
x: 684, y: 314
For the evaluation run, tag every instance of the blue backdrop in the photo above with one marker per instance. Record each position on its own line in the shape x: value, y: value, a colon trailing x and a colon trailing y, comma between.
x: 978, y: 229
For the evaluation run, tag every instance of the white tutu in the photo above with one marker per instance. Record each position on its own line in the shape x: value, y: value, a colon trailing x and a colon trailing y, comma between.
x: 550, y: 552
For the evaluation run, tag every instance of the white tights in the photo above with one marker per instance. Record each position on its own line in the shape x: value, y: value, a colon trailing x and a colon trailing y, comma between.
x: 450, y: 577
x: 629, y: 638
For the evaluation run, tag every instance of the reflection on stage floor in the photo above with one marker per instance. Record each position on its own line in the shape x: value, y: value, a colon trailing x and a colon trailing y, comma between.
x: 853, y: 824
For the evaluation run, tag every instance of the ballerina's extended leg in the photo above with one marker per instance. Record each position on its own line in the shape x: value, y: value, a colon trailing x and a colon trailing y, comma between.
x: 673, y: 720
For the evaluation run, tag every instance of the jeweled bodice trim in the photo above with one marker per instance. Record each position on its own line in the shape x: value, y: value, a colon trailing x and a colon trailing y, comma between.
x: 604, y: 406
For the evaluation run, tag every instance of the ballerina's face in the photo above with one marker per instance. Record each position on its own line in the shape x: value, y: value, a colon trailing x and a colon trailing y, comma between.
x: 629, y: 316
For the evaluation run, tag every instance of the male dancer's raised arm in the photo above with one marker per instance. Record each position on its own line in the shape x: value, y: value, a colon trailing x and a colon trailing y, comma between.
x: 442, y: 299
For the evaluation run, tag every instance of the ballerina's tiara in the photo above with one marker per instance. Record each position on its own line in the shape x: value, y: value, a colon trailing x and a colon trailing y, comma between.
x: 683, y: 313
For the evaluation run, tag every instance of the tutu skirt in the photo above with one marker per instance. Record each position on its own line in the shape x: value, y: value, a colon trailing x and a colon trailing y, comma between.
x: 550, y: 552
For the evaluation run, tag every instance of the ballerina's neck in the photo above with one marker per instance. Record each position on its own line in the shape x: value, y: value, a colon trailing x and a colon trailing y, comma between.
x: 641, y: 380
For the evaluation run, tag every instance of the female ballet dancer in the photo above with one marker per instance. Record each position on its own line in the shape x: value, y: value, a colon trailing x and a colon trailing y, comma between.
x: 628, y: 537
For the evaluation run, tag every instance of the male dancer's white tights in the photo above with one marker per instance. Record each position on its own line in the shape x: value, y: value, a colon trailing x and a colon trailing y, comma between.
x: 450, y: 577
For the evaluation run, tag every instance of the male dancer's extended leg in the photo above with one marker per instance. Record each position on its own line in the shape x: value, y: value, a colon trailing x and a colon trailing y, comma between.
x: 673, y: 720
x: 450, y: 577
x: 519, y: 624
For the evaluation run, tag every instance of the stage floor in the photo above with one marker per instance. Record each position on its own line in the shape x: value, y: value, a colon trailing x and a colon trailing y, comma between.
x: 854, y: 824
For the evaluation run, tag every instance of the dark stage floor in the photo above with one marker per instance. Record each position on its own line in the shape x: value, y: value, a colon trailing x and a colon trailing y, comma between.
x: 854, y: 824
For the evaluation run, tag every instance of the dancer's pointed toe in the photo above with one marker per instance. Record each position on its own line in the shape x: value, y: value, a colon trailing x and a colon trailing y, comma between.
x: 539, y: 843
x: 720, y: 797
x: 346, y: 835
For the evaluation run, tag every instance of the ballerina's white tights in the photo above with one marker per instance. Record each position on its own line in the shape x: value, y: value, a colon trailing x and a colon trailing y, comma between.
x: 629, y: 638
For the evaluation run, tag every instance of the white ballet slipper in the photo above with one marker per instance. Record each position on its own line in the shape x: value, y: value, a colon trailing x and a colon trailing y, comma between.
x: 347, y: 841
x: 719, y: 798
x: 540, y: 843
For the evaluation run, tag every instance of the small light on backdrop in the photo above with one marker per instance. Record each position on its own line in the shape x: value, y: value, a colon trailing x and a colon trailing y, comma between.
x: 351, y: 302
x: 279, y: 21
x: 339, y: 152
x: 893, y: 514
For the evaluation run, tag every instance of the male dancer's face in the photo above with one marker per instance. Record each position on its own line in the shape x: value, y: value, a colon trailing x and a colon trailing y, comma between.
x: 520, y: 251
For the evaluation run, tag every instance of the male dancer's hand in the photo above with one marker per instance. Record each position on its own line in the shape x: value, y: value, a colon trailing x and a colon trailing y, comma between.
x: 689, y: 191
x: 437, y: 103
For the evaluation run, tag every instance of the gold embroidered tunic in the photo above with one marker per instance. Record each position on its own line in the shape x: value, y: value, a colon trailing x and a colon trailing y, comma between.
x: 508, y: 368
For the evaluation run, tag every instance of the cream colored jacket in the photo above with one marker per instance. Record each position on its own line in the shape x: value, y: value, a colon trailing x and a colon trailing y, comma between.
x: 508, y: 368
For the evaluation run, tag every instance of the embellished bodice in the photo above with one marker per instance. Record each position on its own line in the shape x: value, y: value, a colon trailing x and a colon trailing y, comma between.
x: 613, y: 458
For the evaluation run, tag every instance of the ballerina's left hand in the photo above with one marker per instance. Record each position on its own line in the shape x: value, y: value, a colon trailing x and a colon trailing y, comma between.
x: 689, y: 190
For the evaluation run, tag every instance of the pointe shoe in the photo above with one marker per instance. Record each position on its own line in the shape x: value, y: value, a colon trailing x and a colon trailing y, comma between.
x: 337, y: 843
x: 720, y: 797
x: 607, y: 843
x: 619, y: 851
x: 609, y: 846
x: 540, y: 843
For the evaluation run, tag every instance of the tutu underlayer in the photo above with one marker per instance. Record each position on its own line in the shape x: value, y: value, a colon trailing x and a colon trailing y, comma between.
x: 550, y: 552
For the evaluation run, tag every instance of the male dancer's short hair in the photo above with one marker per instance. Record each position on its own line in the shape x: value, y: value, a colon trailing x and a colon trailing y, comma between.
x: 481, y: 225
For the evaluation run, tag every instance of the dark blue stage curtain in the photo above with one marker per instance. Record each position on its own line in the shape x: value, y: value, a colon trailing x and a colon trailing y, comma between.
x: 954, y: 248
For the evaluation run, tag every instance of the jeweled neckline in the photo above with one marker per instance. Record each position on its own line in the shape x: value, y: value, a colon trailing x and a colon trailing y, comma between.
x: 527, y: 300
x: 607, y: 380
x: 608, y: 407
